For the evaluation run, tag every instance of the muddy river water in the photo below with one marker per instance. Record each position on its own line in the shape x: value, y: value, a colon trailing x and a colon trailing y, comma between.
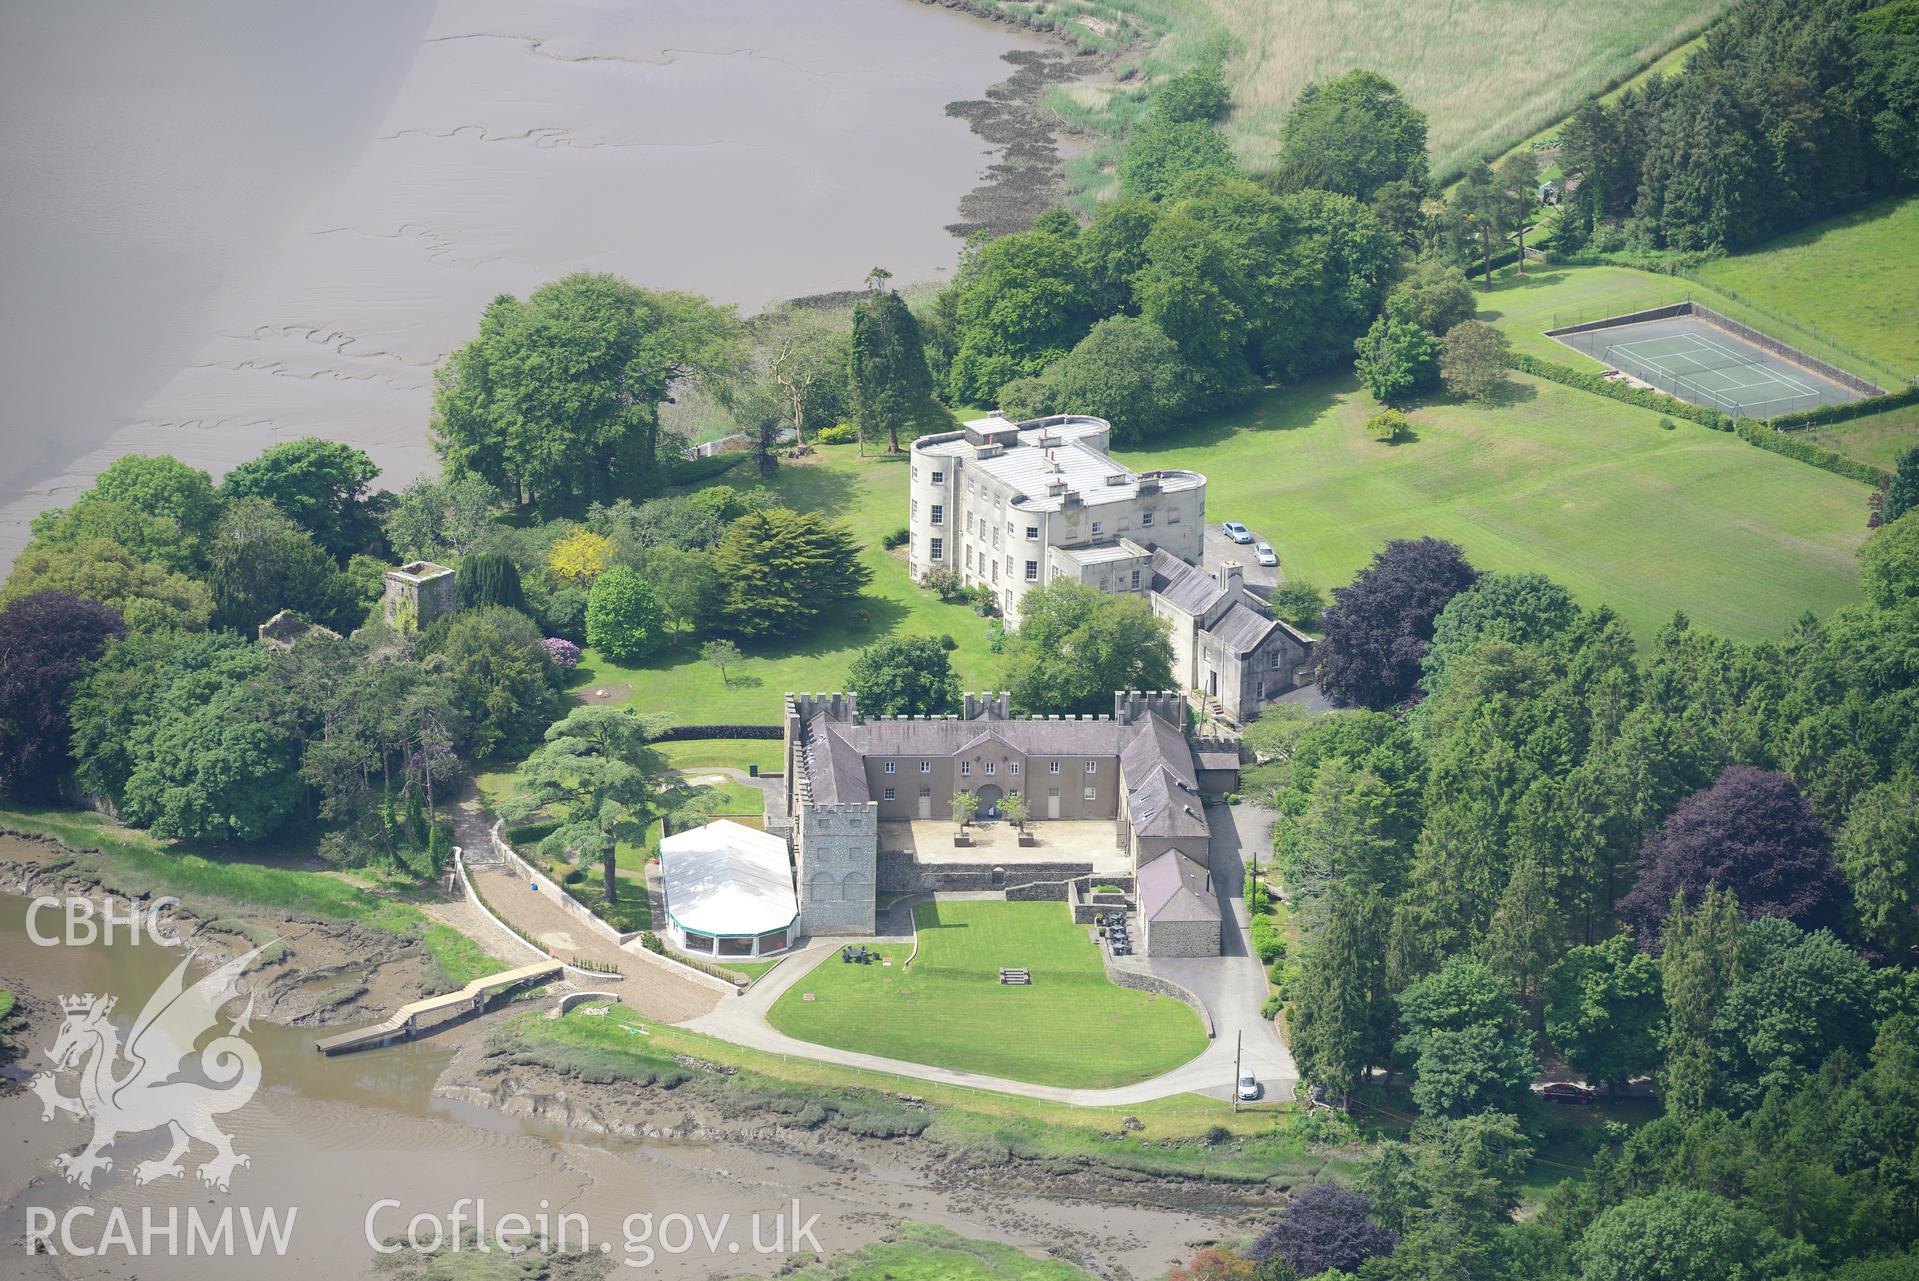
x: 349, y: 1150
x: 227, y: 223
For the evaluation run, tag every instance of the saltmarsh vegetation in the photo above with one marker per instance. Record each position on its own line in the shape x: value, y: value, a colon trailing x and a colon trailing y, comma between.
x: 1185, y: 1136
x: 133, y: 864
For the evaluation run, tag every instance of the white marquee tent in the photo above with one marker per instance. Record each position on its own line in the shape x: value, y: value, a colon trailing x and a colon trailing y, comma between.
x: 729, y: 890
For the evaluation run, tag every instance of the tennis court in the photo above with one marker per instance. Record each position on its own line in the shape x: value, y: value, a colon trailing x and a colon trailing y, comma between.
x: 1698, y: 362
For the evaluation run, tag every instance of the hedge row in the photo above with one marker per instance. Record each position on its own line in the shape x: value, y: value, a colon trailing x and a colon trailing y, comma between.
x: 1820, y: 415
x: 1824, y: 459
x: 1752, y: 433
x: 1658, y: 401
x: 678, y: 732
x: 694, y: 470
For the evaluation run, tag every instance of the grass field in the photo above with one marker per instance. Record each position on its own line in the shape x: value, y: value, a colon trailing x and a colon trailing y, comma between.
x: 1071, y: 1027
x: 1590, y: 492
x: 1583, y: 489
x: 1853, y: 279
x: 869, y: 496
x: 1878, y: 440
x: 739, y: 753
x: 1668, y: 64
x: 1524, y: 307
x: 1487, y: 73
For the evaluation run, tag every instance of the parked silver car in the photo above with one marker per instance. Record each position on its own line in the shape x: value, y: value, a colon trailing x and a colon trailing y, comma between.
x: 1236, y: 531
x: 1264, y: 554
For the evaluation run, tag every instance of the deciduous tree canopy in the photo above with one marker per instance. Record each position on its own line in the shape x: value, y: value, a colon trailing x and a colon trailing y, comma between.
x: 1751, y: 832
x: 905, y: 676
x: 557, y: 398
x: 1076, y: 645
x: 46, y: 640
x: 1379, y: 628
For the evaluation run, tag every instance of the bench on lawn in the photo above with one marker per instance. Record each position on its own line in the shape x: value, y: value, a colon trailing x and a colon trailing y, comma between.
x: 1015, y: 977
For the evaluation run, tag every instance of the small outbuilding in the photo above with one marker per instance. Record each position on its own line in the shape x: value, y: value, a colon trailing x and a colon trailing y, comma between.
x: 729, y: 891
x: 1180, y: 907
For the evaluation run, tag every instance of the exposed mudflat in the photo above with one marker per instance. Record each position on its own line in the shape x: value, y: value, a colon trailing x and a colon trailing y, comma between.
x: 211, y: 247
x: 461, y: 1116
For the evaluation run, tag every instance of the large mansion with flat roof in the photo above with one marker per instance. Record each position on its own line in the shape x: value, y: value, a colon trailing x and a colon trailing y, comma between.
x: 1014, y: 506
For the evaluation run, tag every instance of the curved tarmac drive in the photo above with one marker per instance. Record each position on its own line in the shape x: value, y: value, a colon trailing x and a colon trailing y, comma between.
x: 1232, y: 988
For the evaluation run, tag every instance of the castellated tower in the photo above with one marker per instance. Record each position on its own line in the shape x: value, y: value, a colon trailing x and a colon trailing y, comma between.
x: 837, y: 862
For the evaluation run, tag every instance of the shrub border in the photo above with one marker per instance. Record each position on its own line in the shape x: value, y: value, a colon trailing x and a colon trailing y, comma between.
x: 1775, y: 441
x: 680, y: 733
x: 1598, y: 384
x: 1771, y: 439
x: 1821, y: 415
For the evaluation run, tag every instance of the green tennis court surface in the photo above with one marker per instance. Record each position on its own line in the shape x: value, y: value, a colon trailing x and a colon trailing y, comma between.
x: 1700, y: 363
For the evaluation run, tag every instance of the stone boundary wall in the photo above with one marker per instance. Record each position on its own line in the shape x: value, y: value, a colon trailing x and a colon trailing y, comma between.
x: 1039, y: 892
x: 1088, y: 907
x: 572, y: 999
x: 899, y: 872
x: 473, y: 897
x: 585, y: 914
x: 1746, y: 333
x: 1140, y: 981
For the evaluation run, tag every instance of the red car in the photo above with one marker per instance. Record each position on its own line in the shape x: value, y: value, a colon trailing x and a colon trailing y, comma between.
x: 1567, y: 1092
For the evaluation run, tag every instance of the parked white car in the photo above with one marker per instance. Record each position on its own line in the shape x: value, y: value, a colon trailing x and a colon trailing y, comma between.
x: 1264, y: 554
x: 1248, y: 1087
x: 1236, y: 531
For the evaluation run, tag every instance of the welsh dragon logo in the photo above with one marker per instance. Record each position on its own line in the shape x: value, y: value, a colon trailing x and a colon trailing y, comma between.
x: 156, y: 1088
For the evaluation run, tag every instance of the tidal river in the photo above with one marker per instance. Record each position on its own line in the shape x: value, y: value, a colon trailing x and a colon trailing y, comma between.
x: 341, y: 1146
x: 227, y: 223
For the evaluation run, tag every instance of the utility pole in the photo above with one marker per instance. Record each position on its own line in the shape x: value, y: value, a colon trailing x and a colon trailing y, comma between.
x: 1239, y: 1044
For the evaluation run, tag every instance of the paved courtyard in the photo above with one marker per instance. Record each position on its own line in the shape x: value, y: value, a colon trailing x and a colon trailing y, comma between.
x: 1060, y: 840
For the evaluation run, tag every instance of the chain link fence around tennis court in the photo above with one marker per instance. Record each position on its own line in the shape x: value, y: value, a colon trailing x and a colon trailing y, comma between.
x: 1689, y: 378
x: 1674, y: 383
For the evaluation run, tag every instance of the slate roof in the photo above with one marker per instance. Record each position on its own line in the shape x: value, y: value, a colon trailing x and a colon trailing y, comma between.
x: 1188, y: 588
x: 1218, y: 758
x: 1155, y: 759
x: 1174, y: 888
x: 1154, y: 742
x: 1242, y: 629
x: 1161, y: 804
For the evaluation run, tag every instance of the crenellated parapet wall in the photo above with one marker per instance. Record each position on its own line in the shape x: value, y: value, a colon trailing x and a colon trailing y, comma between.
x: 837, y: 848
x: 1131, y: 705
x: 992, y: 707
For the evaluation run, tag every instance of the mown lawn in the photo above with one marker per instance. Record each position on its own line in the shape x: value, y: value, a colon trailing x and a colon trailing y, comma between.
x: 1586, y: 490
x: 1071, y: 1027
x: 1878, y: 440
x: 1583, y: 489
x: 1854, y: 279
x: 736, y: 753
x: 1524, y: 307
x: 869, y: 496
